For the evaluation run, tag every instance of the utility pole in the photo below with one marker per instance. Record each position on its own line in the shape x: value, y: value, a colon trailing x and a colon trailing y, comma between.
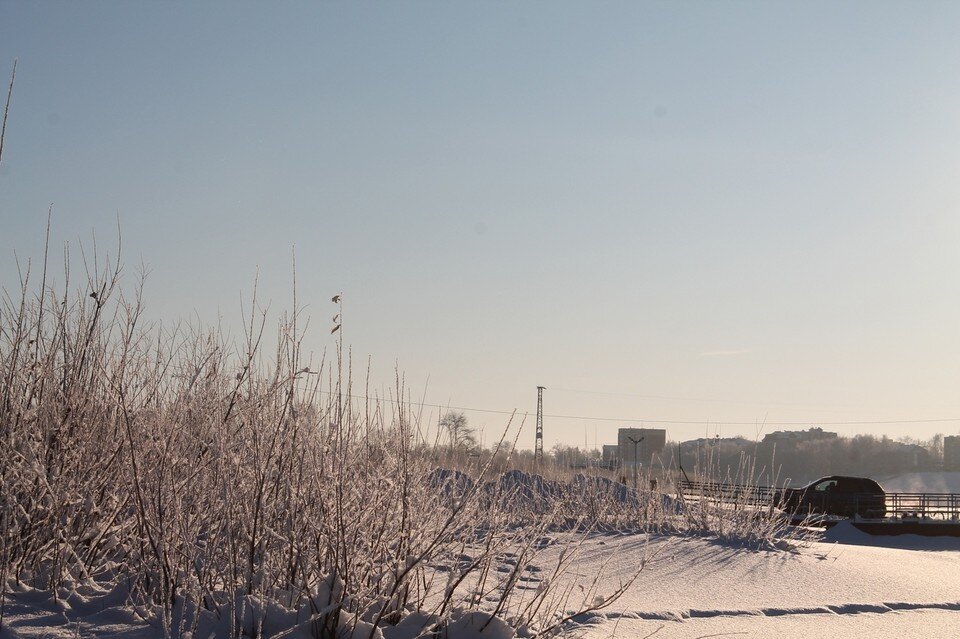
x: 538, y: 446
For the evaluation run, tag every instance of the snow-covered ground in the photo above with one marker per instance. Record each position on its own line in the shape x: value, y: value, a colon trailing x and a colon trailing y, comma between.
x: 848, y: 584
x: 696, y: 588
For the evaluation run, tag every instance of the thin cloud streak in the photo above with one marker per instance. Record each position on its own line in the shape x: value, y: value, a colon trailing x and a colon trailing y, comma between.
x: 725, y: 353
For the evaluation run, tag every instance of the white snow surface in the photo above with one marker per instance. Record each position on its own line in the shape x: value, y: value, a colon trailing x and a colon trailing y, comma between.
x: 847, y: 585
x: 695, y: 588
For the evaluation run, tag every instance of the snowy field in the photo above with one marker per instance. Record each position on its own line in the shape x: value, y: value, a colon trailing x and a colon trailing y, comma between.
x: 695, y: 588
x: 840, y: 586
x: 230, y: 494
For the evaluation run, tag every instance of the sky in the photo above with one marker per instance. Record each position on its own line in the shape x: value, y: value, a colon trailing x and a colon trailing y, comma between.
x: 724, y: 214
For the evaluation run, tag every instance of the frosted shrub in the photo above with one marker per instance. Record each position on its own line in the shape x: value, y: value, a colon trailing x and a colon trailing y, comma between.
x: 236, y: 488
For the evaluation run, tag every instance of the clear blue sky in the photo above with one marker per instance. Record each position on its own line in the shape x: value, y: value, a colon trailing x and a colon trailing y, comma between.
x: 737, y: 212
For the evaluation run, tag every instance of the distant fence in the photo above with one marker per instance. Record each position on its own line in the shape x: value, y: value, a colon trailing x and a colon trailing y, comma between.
x: 941, y: 506
x: 734, y: 493
x: 930, y: 505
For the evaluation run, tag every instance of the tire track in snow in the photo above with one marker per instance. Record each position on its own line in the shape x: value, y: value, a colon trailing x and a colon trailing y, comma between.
x: 829, y: 609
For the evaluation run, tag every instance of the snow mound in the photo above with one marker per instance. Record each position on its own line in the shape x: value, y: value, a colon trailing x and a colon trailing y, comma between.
x: 534, y: 491
x: 524, y: 489
x: 453, y: 484
x: 479, y: 625
x: 594, y: 487
x: 518, y: 488
x: 35, y: 614
x: 846, y: 533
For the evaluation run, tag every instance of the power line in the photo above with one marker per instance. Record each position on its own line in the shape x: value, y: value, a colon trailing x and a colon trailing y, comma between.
x: 711, y: 422
x: 681, y: 422
x: 699, y: 400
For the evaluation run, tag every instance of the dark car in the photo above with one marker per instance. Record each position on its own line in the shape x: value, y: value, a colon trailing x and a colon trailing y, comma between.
x: 838, y: 496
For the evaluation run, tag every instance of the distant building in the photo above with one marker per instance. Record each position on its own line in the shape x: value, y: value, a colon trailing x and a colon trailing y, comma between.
x: 640, y: 444
x: 951, y: 452
x: 797, y: 436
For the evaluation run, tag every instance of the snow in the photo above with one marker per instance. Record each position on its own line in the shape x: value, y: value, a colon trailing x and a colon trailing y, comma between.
x: 479, y: 625
x: 846, y: 584
x: 33, y: 614
x: 927, y: 624
x: 696, y: 587
x: 533, y: 488
x: 846, y: 533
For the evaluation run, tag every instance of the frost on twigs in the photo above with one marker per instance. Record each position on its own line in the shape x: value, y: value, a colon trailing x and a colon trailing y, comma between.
x: 237, y: 488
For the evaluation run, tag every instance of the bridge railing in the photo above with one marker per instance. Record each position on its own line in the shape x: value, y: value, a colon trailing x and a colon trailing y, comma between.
x: 740, y: 493
x: 941, y: 506
x: 930, y: 505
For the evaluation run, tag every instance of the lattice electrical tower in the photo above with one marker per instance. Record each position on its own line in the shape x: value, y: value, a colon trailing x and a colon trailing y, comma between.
x: 538, y: 447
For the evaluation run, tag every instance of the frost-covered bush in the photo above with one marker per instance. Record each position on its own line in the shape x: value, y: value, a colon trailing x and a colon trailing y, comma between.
x: 237, y: 489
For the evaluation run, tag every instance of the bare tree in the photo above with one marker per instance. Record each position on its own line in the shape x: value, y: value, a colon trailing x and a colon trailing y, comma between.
x: 461, y: 435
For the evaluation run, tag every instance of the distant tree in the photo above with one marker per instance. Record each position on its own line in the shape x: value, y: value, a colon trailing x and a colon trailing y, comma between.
x: 459, y: 433
x: 573, y: 456
x: 936, y: 447
x: 805, y: 460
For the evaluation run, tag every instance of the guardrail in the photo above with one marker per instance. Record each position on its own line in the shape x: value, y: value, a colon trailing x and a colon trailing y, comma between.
x: 940, y: 506
x: 923, y: 505
x: 733, y: 492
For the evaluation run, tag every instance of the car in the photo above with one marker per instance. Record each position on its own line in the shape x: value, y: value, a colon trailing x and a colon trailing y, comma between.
x: 837, y: 496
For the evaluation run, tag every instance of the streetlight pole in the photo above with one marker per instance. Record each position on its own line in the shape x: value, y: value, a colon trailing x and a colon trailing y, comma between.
x: 538, y: 443
x: 636, y: 459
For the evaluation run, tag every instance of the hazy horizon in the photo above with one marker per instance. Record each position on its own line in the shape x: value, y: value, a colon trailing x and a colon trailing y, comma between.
x: 734, y: 215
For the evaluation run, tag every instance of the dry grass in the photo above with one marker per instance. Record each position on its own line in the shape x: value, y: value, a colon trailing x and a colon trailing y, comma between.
x: 208, y: 476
